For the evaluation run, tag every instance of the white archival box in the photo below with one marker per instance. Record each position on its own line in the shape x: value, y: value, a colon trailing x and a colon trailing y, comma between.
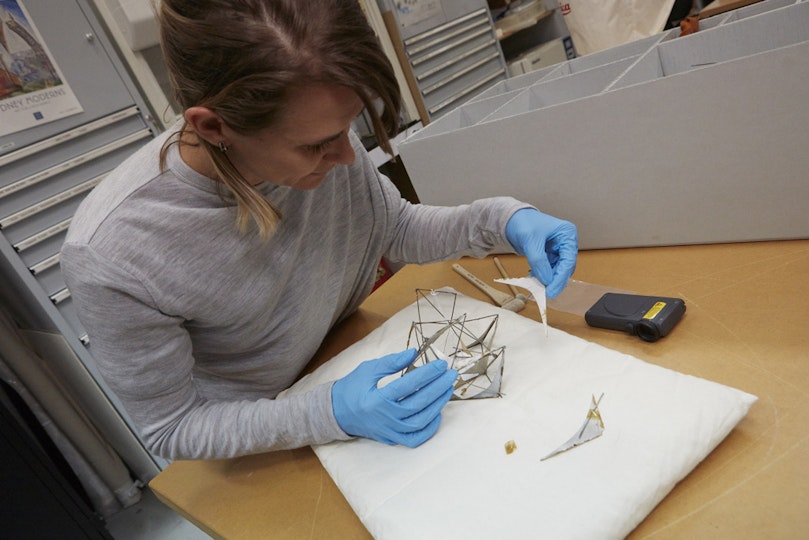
x: 547, y: 54
x: 662, y: 141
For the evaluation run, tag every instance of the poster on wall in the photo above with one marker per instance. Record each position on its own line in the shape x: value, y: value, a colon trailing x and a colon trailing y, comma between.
x: 415, y: 11
x: 33, y: 91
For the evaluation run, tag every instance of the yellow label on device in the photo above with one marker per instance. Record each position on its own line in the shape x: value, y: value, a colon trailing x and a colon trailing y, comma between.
x: 655, y: 310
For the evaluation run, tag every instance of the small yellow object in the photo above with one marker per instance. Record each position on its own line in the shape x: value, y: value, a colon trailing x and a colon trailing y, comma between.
x: 510, y: 447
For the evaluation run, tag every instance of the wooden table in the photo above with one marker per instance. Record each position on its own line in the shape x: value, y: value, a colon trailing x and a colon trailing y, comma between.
x: 747, y: 326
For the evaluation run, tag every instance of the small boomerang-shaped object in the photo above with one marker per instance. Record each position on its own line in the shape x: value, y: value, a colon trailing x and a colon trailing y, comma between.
x: 592, y: 428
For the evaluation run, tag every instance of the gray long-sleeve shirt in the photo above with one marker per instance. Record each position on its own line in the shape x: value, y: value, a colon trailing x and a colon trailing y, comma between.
x: 197, y: 328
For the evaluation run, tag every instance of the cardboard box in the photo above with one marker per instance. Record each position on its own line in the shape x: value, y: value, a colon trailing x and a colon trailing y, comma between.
x: 663, y: 141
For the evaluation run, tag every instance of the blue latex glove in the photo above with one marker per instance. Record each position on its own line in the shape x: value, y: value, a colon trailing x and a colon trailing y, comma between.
x: 550, y: 245
x: 406, y: 411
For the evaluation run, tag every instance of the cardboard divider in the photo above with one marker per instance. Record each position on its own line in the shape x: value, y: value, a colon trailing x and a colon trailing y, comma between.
x: 517, y: 83
x: 630, y: 149
x: 578, y: 85
x: 774, y: 29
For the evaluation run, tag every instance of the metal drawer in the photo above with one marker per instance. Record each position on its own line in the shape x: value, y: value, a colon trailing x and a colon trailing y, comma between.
x: 43, y: 184
x: 455, y: 60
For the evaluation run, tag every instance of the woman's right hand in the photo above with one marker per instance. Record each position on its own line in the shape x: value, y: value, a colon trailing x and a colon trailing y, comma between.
x: 406, y: 411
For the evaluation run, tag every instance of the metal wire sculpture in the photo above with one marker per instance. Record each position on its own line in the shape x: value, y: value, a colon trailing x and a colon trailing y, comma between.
x: 467, y: 344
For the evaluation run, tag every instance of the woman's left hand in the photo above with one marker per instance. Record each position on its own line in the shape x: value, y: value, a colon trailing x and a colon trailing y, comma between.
x: 551, y: 246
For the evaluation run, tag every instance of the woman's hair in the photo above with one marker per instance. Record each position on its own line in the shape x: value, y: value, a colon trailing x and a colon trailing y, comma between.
x: 244, y: 58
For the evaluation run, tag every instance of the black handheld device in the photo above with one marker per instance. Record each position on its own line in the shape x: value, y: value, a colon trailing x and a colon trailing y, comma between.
x: 648, y: 317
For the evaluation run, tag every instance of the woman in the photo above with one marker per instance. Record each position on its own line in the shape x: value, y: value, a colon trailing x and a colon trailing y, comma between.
x: 208, y: 267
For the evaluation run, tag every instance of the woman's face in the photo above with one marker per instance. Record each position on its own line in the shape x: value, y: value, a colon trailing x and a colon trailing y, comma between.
x: 310, y: 139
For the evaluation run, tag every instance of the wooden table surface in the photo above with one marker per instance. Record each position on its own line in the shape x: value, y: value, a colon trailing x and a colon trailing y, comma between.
x: 746, y: 326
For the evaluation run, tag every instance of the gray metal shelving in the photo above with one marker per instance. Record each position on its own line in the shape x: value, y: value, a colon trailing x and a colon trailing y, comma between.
x: 451, y: 49
x: 45, y: 172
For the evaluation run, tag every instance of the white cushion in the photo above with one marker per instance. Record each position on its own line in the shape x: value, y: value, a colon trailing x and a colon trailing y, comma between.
x: 659, y: 424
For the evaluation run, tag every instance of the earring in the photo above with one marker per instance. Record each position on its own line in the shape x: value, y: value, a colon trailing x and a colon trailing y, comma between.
x: 223, y: 147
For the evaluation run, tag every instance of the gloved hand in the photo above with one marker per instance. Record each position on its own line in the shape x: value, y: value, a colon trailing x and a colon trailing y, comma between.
x: 550, y: 245
x: 406, y: 411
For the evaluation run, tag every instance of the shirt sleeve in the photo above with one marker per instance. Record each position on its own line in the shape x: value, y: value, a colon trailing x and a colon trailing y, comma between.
x: 145, y: 356
x: 423, y: 234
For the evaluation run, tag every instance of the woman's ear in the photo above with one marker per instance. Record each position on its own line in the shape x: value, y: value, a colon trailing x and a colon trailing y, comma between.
x: 206, y: 124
